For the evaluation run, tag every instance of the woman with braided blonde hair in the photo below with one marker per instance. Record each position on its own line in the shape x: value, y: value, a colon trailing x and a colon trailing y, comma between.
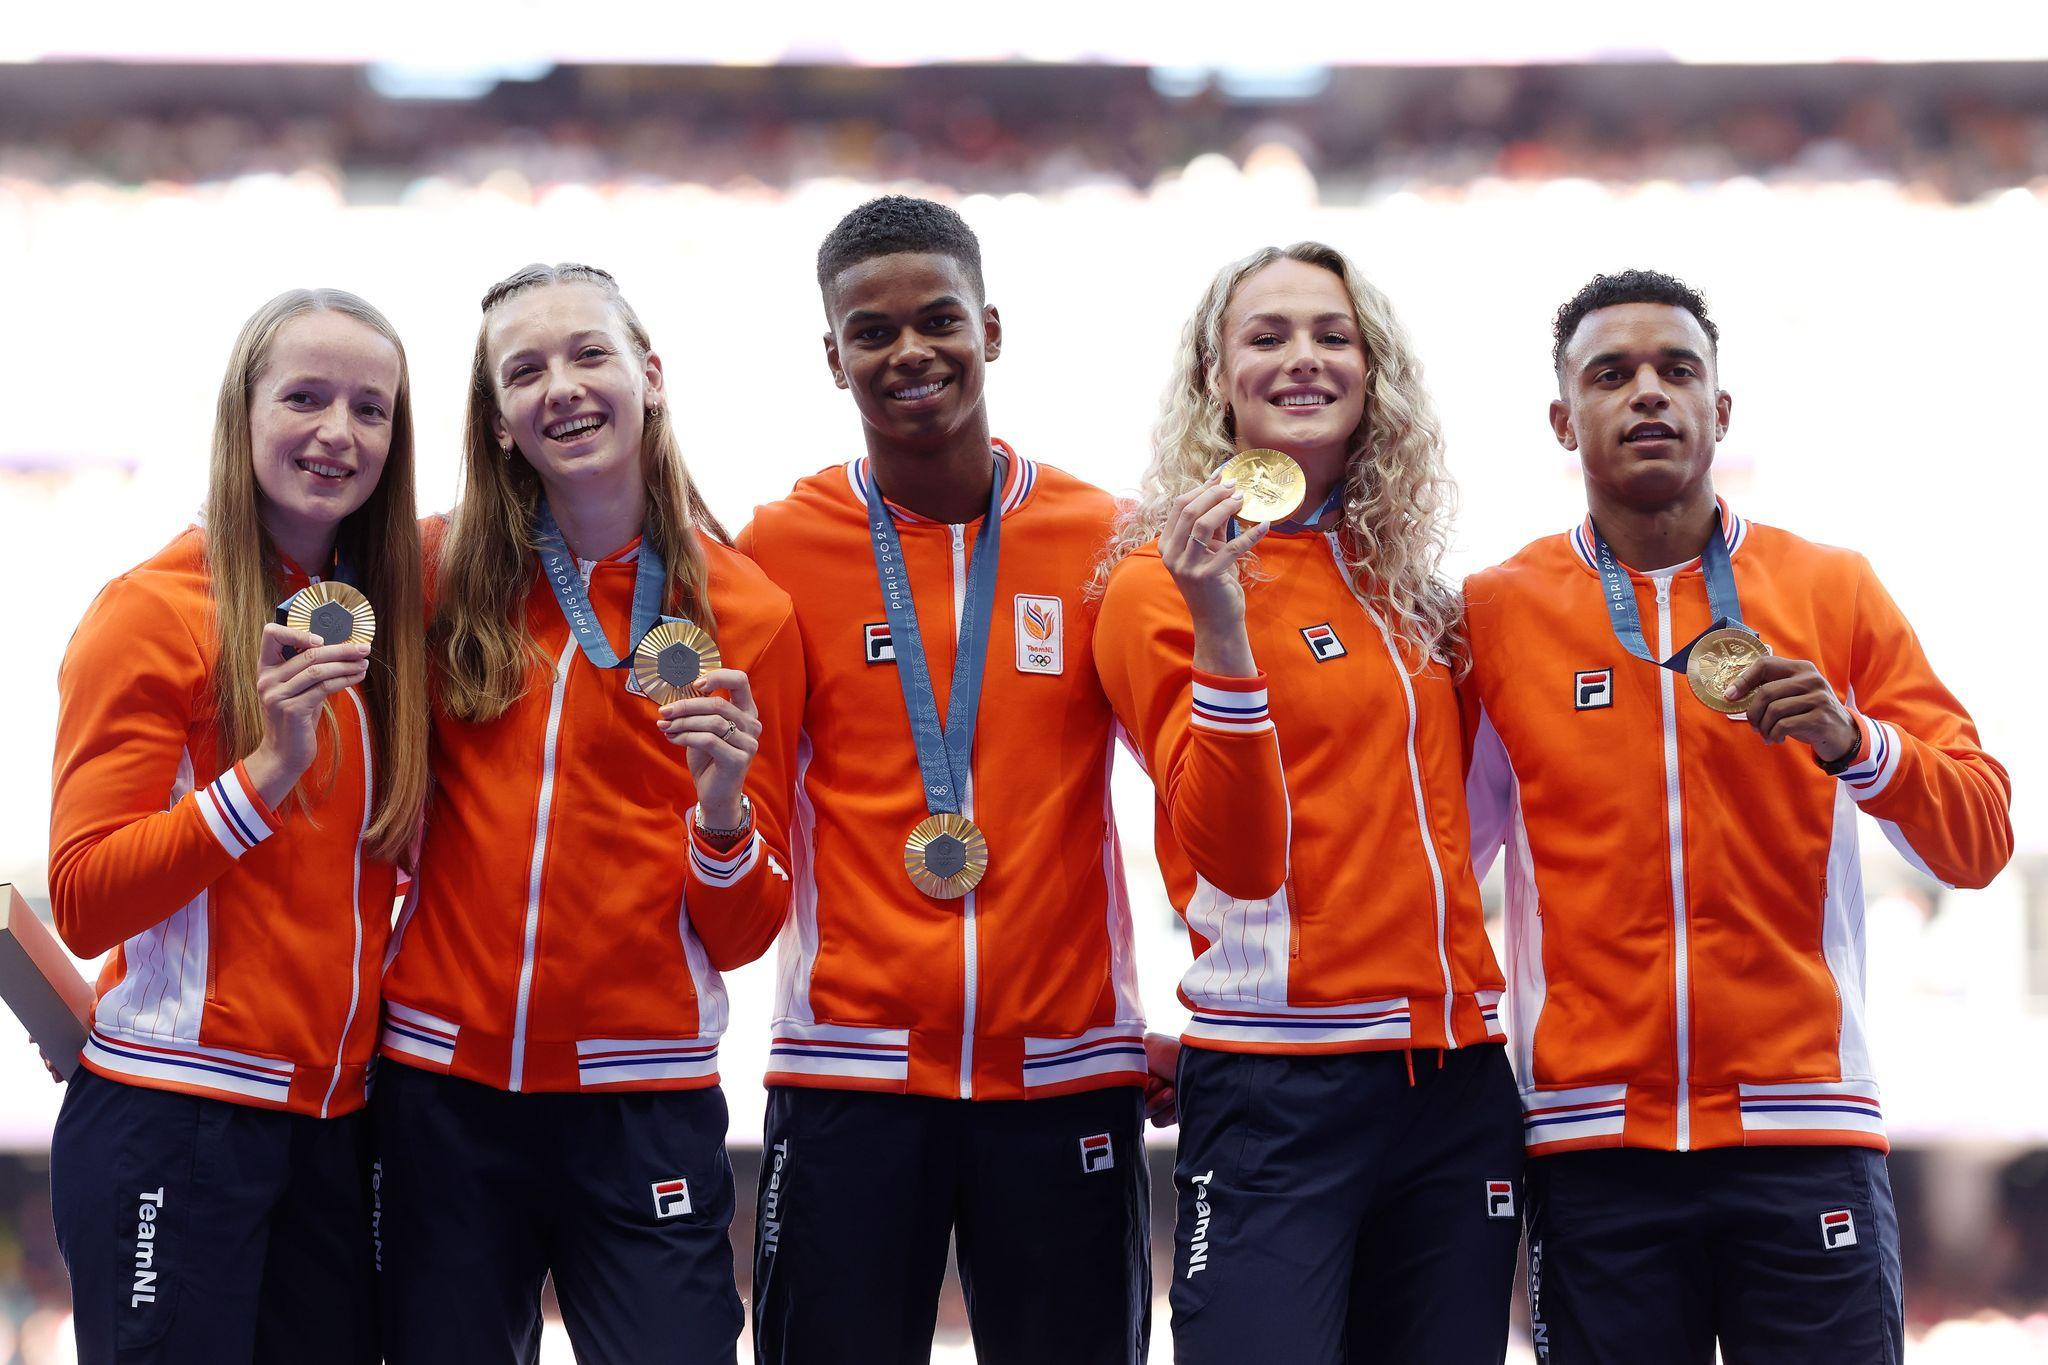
x: 1351, y: 1154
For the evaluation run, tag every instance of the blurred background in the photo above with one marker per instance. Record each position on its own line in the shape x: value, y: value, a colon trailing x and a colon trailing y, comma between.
x: 1862, y: 198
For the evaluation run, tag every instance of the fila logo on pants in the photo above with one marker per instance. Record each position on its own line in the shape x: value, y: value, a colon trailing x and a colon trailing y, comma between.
x: 1837, y: 1230
x: 1500, y: 1199
x: 1097, y: 1154
x: 671, y: 1198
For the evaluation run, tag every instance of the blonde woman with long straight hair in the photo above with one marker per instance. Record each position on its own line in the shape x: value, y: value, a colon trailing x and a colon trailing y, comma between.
x: 549, y: 1099
x: 231, y: 800
x: 1350, y: 1154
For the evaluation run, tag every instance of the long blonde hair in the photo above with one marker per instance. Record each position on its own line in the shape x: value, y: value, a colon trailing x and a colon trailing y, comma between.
x: 1398, y: 495
x: 484, y: 648
x: 380, y: 541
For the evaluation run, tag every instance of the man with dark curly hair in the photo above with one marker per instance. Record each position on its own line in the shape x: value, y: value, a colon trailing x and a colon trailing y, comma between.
x: 1675, y: 715
x: 958, y: 1052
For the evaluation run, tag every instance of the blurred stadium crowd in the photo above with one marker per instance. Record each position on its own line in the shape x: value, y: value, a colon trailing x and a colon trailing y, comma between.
x: 1363, y: 133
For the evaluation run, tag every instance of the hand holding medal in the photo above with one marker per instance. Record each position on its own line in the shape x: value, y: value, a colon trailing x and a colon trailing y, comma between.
x: 719, y: 735
x: 1712, y: 660
x: 1271, y: 483
x: 1202, y: 554
x: 1716, y: 660
x: 297, y: 671
x: 1789, y: 699
x: 671, y: 660
x: 332, y: 610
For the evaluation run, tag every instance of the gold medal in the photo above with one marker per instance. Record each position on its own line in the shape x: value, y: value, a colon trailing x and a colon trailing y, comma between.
x: 1718, y: 658
x: 333, y: 610
x: 946, y: 856
x: 1272, y: 483
x: 671, y: 658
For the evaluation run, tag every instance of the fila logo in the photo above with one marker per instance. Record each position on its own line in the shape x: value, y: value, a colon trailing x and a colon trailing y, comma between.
x: 1500, y: 1199
x: 1837, y: 1230
x: 1323, y: 642
x: 1097, y: 1154
x: 671, y: 1198
x: 880, y: 649
x: 1593, y: 690
x: 1041, y: 643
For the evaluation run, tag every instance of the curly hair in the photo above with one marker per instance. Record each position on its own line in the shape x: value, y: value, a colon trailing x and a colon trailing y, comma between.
x: 899, y: 223
x: 1627, y: 286
x: 1398, y: 495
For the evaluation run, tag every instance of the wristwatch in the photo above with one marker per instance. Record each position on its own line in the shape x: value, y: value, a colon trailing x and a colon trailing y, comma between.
x: 727, y: 836
x: 1835, y: 767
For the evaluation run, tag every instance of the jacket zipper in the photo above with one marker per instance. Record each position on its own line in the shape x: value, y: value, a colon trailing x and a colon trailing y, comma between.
x: 970, y: 949
x: 355, y: 983
x: 543, y: 811
x: 1674, y: 818
x: 1436, y: 871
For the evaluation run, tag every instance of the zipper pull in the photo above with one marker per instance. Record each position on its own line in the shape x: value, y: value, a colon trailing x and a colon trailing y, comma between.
x: 1663, y: 591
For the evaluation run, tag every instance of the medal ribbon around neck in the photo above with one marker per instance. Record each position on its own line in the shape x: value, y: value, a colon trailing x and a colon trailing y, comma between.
x: 650, y: 581
x: 943, y: 754
x: 1331, y: 503
x: 1627, y: 621
x: 1297, y: 524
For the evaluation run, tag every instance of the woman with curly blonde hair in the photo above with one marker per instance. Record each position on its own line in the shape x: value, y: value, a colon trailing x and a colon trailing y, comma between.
x: 1345, y: 1102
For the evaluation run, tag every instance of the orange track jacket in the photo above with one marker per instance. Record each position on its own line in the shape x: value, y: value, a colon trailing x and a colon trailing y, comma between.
x: 1025, y: 986
x: 568, y: 924
x: 1684, y: 901
x: 245, y: 940
x: 1325, y: 881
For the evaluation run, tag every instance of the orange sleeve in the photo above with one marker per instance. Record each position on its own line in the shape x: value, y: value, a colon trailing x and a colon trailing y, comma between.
x: 738, y: 897
x: 1207, y: 741
x: 1945, y: 803
x: 132, y: 837
x: 1489, y: 777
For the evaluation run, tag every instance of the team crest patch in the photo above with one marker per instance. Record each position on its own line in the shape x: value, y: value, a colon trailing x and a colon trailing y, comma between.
x: 1837, y: 1230
x: 1323, y: 642
x: 1041, y: 643
x: 1500, y: 1199
x: 1097, y: 1154
x: 876, y: 644
x: 671, y: 1198
x: 1593, y: 690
